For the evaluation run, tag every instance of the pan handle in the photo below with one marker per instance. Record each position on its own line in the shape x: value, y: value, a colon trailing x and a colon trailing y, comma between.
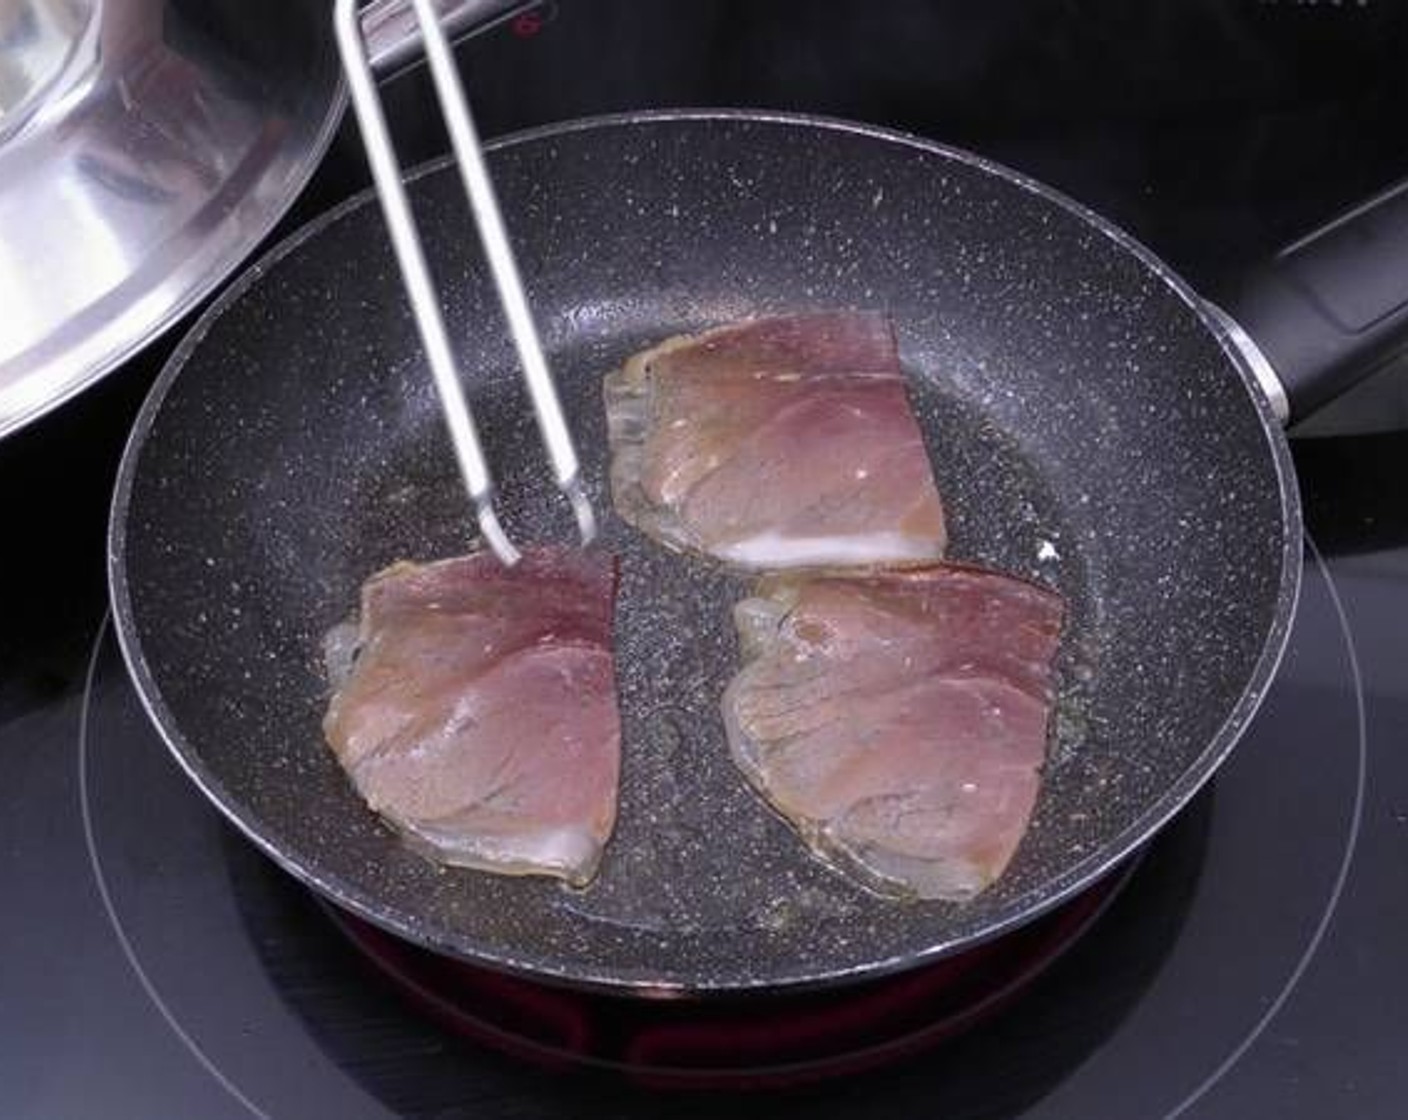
x: 393, y: 37
x: 1329, y: 309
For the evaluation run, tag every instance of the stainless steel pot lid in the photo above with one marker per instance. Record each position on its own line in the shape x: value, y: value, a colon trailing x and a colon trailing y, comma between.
x: 146, y: 146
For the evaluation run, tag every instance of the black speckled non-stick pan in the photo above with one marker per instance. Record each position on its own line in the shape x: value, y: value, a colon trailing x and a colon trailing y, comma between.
x: 1090, y: 428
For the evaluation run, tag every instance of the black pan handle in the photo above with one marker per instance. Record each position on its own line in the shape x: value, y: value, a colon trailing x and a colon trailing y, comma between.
x: 1332, y: 307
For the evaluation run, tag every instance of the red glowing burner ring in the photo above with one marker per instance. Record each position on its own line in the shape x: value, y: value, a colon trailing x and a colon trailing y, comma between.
x: 757, y: 1041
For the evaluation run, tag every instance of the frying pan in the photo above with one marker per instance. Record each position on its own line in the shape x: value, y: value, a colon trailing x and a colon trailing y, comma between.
x: 1090, y: 424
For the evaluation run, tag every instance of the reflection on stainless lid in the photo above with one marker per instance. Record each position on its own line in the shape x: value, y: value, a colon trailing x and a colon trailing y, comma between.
x: 146, y: 146
x: 35, y: 39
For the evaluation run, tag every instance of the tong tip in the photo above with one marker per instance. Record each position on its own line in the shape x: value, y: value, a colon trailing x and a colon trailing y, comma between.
x: 582, y: 508
x: 494, y: 533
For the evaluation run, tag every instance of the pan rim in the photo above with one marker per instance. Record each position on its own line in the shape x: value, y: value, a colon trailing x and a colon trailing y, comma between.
x: 1049, y: 894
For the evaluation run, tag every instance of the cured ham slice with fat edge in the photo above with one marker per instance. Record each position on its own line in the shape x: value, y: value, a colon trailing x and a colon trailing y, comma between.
x: 476, y: 709
x: 898, y: 719
x: 775, y: 443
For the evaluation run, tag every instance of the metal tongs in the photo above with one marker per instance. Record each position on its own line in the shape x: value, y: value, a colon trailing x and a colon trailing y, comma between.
x: 420, y: 288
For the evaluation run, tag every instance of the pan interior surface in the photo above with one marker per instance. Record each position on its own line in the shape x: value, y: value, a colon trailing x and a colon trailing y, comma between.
x: 1086, y: 428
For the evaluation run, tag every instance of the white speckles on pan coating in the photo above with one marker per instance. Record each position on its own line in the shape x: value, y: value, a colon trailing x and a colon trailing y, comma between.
x: 293, y: 447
